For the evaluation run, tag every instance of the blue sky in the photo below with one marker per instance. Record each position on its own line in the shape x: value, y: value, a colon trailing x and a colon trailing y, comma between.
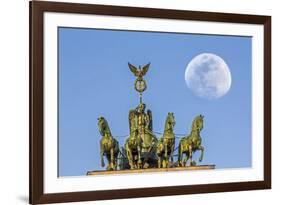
x: 94, y: 80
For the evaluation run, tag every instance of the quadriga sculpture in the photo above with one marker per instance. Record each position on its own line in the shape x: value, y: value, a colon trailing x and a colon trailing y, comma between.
x: 191, y: 143
x: 166, y: 144
x: 108, y: 145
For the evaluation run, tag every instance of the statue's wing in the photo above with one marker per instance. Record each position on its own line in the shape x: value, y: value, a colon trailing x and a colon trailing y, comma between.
x: 145, y: 69
x: 132, y: 120
x: 149, y: 113
x: 133, y: 69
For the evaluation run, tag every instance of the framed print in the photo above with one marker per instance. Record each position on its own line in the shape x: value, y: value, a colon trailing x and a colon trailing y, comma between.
x: 137, y: 102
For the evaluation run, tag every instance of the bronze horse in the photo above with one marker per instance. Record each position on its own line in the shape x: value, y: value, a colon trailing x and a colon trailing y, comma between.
x: 109, y: 146
x: 166, y: 144
x: 191, y: 143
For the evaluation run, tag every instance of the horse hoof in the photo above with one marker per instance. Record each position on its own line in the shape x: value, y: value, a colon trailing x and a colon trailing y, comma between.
x: 193, y: 163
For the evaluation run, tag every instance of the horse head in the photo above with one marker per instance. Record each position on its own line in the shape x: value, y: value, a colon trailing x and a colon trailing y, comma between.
x: 170, y: 121
x: 103, y: 126
x: 198, y: 122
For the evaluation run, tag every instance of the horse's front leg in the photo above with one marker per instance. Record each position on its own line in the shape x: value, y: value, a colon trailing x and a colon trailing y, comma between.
x: 159, y: 161
x: 186, y: 158
x: 139, y: 157
x: 172, y: 153
x: 130, y: 157
x: 101, y: 155
x: 111, y: 158
x: 190, y: 155
x: 180, y: 155
x: 116, y: 161
x: 166, y: 158
x: 202, y: 153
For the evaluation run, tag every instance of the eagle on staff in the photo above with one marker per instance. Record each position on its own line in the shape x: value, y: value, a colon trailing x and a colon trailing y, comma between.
x: 139, y: 72
x: 140, y: 84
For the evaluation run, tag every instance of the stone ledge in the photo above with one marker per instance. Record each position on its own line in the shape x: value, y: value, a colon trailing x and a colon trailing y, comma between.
x: 129, y: 171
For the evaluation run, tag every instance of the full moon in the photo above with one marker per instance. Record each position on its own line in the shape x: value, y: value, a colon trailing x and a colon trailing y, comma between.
x: 208, y: 76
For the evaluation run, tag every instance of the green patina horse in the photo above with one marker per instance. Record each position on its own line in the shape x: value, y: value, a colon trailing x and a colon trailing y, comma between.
x: 166, y: 143
x: 191, y: 143
x: 108, y: 145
